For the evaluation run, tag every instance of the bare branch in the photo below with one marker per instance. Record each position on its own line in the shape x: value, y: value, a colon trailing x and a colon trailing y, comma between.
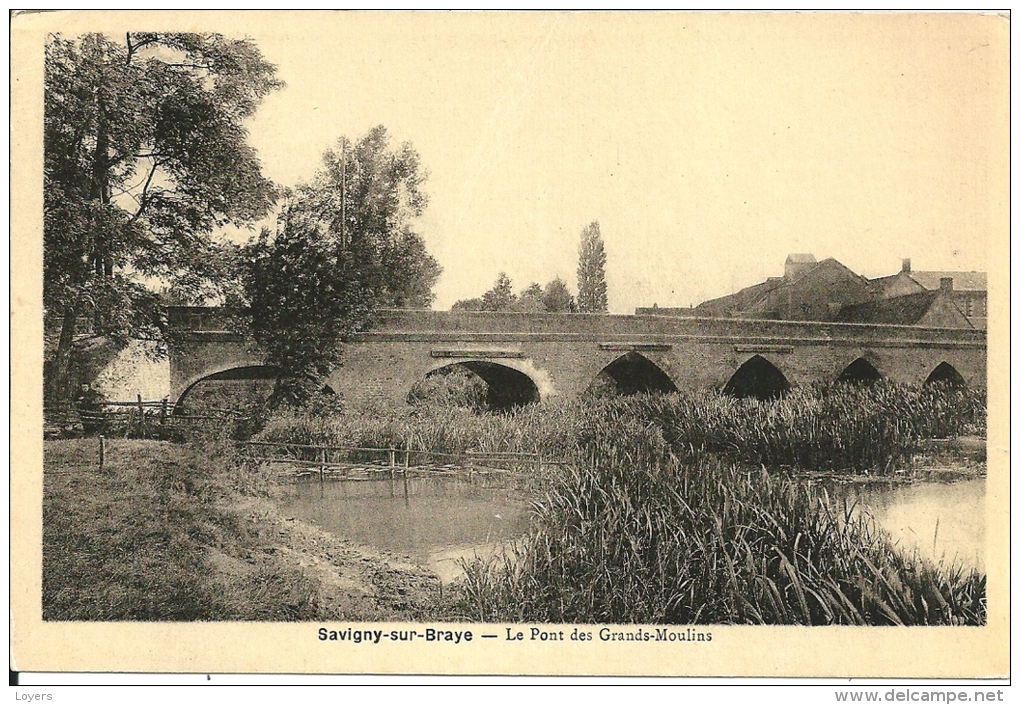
x: 204, y: 67
x: 143, y: 200
x: 132, y: 48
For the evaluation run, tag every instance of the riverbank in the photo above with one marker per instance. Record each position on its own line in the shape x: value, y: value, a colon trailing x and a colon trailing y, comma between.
x: 178, y: 532
x: 700, y: 500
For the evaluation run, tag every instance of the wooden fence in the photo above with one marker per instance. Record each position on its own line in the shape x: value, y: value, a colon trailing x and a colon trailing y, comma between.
x: 128, y: 417
x: 297, y: 461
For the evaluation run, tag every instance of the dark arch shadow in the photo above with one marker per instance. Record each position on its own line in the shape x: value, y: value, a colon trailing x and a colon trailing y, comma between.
x: 237, y: 387
x: 946, y: 374
x: 634, y: 373
x: 507, y: 388
x: 860, y: 371
x: 757, y: 378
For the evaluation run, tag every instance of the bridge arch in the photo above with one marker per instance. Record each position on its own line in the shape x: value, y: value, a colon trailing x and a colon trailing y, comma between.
x: 254, y: 374
x: 260, y: 379
x: 634, y: 373
x: 757, y: 378
x: 860, y: 371
x: 506, y: 387
x: 944, y: 373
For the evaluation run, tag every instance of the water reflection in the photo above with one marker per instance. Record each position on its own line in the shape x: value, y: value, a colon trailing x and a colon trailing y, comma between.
x: 437, y: 523
x: 943, y: 521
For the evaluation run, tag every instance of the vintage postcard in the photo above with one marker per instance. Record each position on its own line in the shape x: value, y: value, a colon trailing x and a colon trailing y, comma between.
x: 551, y: 343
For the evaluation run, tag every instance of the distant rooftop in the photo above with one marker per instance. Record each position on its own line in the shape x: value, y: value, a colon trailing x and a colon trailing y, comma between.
x: 962, y: 281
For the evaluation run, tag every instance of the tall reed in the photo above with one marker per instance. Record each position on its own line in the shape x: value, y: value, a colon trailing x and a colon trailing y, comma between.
x: 845, y: 428
x: 633, y: 533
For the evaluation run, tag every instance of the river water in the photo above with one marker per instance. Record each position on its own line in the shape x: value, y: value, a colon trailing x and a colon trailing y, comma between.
x: 943, y: 521
x: 438, y: 523
x: 443, y: 520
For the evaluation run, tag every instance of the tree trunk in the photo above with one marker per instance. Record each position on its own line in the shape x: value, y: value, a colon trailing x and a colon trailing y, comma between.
x: 58, y: 380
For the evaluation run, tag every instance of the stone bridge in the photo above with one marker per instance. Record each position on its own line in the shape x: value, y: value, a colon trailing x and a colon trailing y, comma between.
x: 526, y: 357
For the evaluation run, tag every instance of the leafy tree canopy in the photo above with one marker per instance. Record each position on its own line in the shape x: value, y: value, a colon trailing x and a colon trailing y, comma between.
x: 145, y: 155
x: 554, y: 298
x: 344, y: 246
x: 557, y: 298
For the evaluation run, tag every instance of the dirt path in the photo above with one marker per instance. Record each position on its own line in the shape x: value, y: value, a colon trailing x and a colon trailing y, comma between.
x: 178, y: 532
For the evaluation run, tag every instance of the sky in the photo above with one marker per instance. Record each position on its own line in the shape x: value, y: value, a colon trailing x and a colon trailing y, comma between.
x: 708, y: 146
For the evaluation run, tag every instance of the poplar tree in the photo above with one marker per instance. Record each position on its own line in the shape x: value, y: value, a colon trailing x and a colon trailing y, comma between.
x: 592, y: 295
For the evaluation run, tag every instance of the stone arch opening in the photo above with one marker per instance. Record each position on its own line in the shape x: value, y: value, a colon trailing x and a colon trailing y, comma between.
x: 946, y: 374
x: 634, y: 373
x: 860, y: 371
x: 505, y: 387
x: 757, y: 378
x: 237, y: 388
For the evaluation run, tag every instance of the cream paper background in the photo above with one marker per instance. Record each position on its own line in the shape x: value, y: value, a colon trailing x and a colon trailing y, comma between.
x: 294, y: 648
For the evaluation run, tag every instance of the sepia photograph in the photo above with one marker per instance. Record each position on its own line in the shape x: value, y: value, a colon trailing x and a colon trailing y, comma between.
x: 563, y: 343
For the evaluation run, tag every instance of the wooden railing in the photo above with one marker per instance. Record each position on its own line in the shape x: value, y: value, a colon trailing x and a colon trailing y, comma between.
x: 299, y: 460
x: 138, y: 416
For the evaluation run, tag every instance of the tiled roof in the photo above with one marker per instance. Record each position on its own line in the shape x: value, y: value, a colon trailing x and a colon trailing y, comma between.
x: 901, y: 310
x: 962, y: 281
x: 741, y: 299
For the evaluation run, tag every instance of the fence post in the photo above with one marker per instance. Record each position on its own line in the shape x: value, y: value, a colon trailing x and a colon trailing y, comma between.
x: 162, y: 413
x: 471, y: 465
x: 141, y: 416
x: 407, y: 501
x: 102, y: 450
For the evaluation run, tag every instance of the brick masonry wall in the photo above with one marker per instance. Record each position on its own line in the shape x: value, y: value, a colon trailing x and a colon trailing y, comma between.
x: 564, y: 353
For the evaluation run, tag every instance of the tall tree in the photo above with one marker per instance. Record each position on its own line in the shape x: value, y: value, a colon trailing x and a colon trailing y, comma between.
x: 592, y: 294
x: 344, y: 246
x: 145, y: 155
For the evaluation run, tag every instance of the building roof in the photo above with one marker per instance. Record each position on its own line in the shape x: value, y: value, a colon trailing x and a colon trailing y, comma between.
x: 962, y: 281
x: 742, y: 299
x: 889, y: 279
x: 899, y: 310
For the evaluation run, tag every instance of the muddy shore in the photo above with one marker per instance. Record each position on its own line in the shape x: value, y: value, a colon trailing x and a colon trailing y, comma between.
x: 174, y: 532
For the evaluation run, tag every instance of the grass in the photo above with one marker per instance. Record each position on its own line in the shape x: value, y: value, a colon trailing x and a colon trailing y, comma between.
x: 174, y: 532
x: 631, y: 533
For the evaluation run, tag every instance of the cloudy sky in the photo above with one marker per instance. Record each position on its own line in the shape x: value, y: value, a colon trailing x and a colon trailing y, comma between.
x: 708, y: 146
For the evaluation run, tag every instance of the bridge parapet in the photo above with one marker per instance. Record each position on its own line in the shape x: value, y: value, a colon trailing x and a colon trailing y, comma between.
x: 604, y: 327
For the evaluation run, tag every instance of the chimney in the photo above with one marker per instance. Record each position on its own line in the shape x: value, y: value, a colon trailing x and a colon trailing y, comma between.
x: 797, y: 264
x: 945, y: 284
x: 906, y: 266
